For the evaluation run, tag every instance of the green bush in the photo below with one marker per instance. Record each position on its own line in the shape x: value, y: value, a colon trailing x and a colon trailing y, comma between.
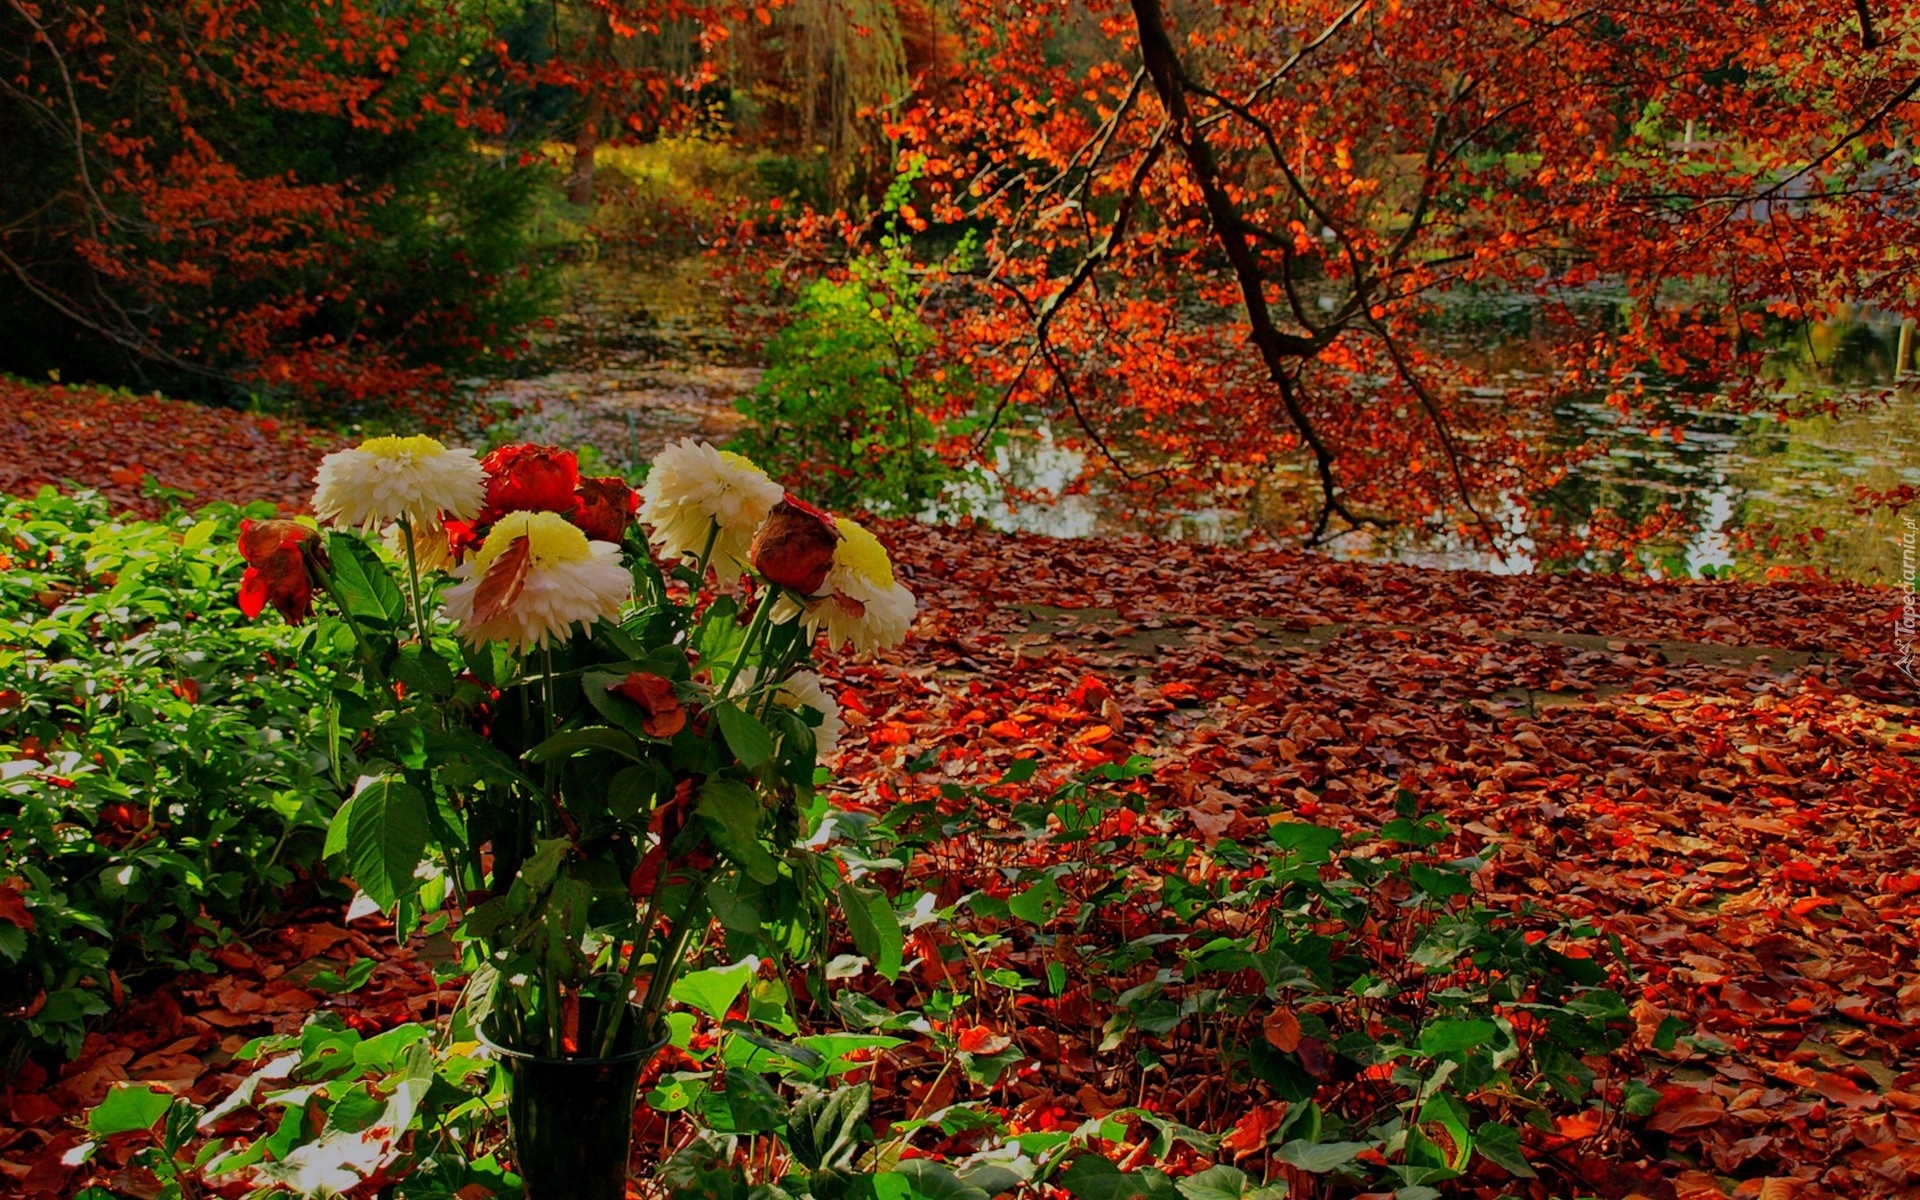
x: 162, y: 761
x: 858, y: 406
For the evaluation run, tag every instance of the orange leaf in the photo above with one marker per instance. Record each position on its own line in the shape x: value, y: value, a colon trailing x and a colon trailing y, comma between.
x: 1250, y: 1136
x: 1282, y: 1030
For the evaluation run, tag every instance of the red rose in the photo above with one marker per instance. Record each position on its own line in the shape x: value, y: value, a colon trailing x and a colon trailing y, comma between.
x: 276, y: 571
x: 529, y: 478
x: 794, y: 546
x: 604, y: 507
x: 666, y: 716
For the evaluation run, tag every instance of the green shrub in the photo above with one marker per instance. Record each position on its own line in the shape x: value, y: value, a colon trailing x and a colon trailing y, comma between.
x: 858, y: 405
x: 162, y: 761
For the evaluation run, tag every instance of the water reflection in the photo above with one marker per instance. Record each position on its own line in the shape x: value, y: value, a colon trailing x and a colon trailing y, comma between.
x: 1732, y: 475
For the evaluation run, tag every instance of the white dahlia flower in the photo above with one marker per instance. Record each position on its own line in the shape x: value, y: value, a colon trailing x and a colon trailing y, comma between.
x: 534, y: 578
x: 387, y: 478
x: 695, y: 490
x: 864, y: 607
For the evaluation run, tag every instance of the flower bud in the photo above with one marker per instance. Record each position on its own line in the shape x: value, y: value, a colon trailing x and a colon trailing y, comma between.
x: 276, y: 571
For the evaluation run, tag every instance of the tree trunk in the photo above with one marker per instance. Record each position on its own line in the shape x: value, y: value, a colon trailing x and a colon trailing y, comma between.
x: 586, y: 139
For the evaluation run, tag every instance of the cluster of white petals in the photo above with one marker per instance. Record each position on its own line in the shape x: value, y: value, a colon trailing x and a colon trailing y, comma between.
x: 802, y: 689
x: 389, y: 479
x: 569, y: 581
x: 698, y: 496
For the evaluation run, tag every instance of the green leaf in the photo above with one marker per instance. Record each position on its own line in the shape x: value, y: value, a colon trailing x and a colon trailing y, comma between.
x: 383, y: 832
x: 1451, y: 1036
x: 1440, y: 883
x: 128, y: 1108
x: 1319, y: 1158
x: 746, y: 736
x: 731, y: 811
x: 363, y: 581
x: 631, y: 788
x: 825, y: 1128
x: 927, y: 1180
x: 1091, y: 1177
x: 713, y: 990
x: 594, y: 737
x: 1215, y: 1183
x: 875, y: 928
x: 1500, y: 1145
x: 1037, y: 904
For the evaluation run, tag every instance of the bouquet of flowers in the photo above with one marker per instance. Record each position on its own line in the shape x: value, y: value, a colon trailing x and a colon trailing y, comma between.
x: 583, y: 714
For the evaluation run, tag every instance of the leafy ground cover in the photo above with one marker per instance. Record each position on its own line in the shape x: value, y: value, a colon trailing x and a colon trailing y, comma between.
x: 164, y: 783
x: 1385, y: 879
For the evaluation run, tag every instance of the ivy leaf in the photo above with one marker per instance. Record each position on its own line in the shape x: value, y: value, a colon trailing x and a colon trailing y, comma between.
x: 128, y: 1108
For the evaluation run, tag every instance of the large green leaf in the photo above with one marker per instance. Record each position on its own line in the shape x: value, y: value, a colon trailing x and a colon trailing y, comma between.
x: 363, y: 581
x: 1453, y: 1035
x: 825, y: 1128
x: 593, y: 737
x: 382, y: 830
x: 128, y: 1108
x: 1319, y: 1158
x: 731, y: 811
x: 713, y: 990
x: 875, y: 928
x: 1091, y: 1177
x: 927, y: 1180
x: 746, y: 736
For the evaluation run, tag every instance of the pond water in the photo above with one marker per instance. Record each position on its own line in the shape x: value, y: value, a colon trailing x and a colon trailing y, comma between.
x: 1727, y: 472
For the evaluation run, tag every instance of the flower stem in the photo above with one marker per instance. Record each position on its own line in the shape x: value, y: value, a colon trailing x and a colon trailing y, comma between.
x: 755, y: 628
x: 668, y: 963
x: 413, y: 577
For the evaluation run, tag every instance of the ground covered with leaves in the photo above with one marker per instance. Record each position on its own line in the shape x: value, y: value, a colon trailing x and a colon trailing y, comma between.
x: 126, y: 446
x: 1613, y: 882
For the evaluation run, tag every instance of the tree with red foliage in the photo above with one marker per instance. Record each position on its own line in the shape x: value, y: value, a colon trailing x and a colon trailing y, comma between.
x: 255, y: 196
x: 1221, y: 231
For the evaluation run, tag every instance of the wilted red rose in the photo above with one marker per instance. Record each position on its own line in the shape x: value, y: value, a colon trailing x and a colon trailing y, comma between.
x: 794, y: 546
x: 529, y: 478
x: 666, y: 716
x: 276, y: 571
x: 604, y: 507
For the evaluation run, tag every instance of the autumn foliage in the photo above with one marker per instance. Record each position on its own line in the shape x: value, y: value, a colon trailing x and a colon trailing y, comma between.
x: 1219, y: 235
x: 261, y: 198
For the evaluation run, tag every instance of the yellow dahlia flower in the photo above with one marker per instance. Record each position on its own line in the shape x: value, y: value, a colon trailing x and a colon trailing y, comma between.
x: 864, y: 607
x: 695, y: 489
x: 431, y: 550
x: 533, y: 579
x: 386, y: 478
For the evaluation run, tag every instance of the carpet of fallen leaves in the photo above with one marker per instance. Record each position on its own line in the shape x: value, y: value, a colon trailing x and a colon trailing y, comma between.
x: 1726, y: 776
x: 122, y: 445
